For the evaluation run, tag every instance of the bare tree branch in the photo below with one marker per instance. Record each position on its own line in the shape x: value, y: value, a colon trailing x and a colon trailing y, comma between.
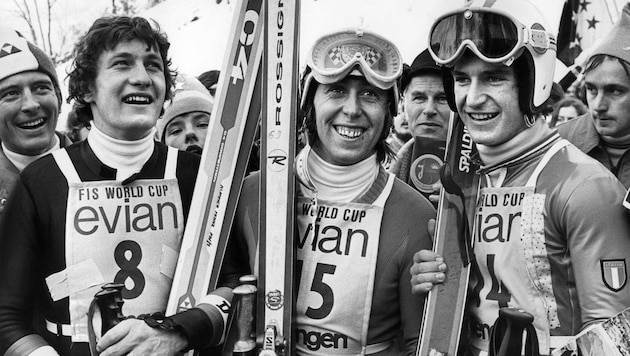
x: 25, y: 13
x: 41, y: 30
x: 50, y: 48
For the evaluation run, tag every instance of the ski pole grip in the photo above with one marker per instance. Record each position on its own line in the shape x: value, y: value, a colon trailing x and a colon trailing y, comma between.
x: 109, y: 302
x: 506, y: 337
x: 245, y: 304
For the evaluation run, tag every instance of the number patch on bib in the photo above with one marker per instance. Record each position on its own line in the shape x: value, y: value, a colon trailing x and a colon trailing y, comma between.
x: 128, y: 255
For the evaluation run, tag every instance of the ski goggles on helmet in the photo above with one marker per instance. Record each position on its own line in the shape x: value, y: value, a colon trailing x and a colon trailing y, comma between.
x: 337, y: 55
x: 491, y: 34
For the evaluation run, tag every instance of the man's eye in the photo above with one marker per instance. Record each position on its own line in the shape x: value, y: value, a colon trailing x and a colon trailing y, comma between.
x: 617, y: 91
x: 336, y: 90
x: 43, y: 88
x: 370, y: 93
x: 461, y: 80
x: 155, y: 65
x: 9, y: 94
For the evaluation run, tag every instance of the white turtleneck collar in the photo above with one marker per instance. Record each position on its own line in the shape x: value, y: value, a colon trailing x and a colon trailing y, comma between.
x: 127, y: 157
x: 20, y: 161
x: 340, y: 183
x: 491, y: 155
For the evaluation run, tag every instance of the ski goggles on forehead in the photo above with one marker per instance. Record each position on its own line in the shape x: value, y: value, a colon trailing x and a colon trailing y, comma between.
x: 335, y: 56
x: 492, y: 35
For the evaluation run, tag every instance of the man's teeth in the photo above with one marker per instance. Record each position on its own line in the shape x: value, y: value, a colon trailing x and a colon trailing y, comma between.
x: 137, y: 99
x: 32, y: 124
x: 349, y: 132
x: 481, y: 117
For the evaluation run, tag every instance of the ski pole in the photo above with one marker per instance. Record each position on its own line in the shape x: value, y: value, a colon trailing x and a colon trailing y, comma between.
x: 109, y: 303
x: 245, y: 304
x: 508, y: 332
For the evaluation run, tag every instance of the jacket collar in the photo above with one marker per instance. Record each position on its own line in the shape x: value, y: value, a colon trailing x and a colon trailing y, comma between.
x: 5, y: 164
x: 581, y: 132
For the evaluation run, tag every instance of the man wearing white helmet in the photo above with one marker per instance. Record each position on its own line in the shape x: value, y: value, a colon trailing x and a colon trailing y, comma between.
x: 551, y: 235
x: 358, y: 226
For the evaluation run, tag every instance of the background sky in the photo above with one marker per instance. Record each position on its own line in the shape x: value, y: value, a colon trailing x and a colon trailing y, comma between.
x: 198, y: 29
x: 406, y: 22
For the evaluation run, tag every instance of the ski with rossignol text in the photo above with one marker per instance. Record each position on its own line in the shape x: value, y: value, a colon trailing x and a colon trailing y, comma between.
x: 277, y: 219
x: 446, y: 302
x: 230, y: 136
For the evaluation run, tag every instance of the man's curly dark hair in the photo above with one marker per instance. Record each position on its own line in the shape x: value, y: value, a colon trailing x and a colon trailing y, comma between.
x: 104, y: 35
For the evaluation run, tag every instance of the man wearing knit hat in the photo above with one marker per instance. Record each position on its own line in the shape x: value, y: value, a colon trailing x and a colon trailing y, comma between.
x: 185, y: 121
x: 427, y: 111
x: 30, y: 100
x: 604, y: 132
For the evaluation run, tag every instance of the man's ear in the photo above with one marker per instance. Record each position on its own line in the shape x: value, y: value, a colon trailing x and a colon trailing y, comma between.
x: 89, y: 97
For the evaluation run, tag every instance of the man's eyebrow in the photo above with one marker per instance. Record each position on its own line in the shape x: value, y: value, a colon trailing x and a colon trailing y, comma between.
x: 118, y: 55
x: 607, y: 85
x: 42, y: 81
x: 173, y: 123
x: 618, y: 86
x: 154, y: 55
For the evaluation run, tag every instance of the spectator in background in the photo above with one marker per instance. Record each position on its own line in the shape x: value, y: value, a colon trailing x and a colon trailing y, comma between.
x: 30, y: 101
x: 209, y: 80
x: 76, y: 129
x: 604, y: 132
x: 400, y: 133
x: 184, y: 124
x: 425, y: 106
x: 566, y: 109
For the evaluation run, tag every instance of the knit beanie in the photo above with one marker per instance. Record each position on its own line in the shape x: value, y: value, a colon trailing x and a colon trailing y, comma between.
x: 617, y: 42
x: 17, y: 55
x: 189, y: 95
x: 423, y: 63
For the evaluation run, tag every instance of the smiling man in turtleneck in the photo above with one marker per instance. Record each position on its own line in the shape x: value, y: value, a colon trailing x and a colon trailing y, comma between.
x: 29, y: 106
x: 111, y: 208
x: 551, y: 234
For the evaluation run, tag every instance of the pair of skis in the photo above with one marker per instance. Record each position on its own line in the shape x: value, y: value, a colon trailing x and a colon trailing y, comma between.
x: 445, y: 304
x: 246, y: 89
x: 276, y: 246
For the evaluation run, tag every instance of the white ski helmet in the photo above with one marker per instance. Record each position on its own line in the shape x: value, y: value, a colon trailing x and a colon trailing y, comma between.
x: 499, y: 31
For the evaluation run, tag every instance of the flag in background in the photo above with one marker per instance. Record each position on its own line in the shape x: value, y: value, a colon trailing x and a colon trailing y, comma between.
x: 583, y: 22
